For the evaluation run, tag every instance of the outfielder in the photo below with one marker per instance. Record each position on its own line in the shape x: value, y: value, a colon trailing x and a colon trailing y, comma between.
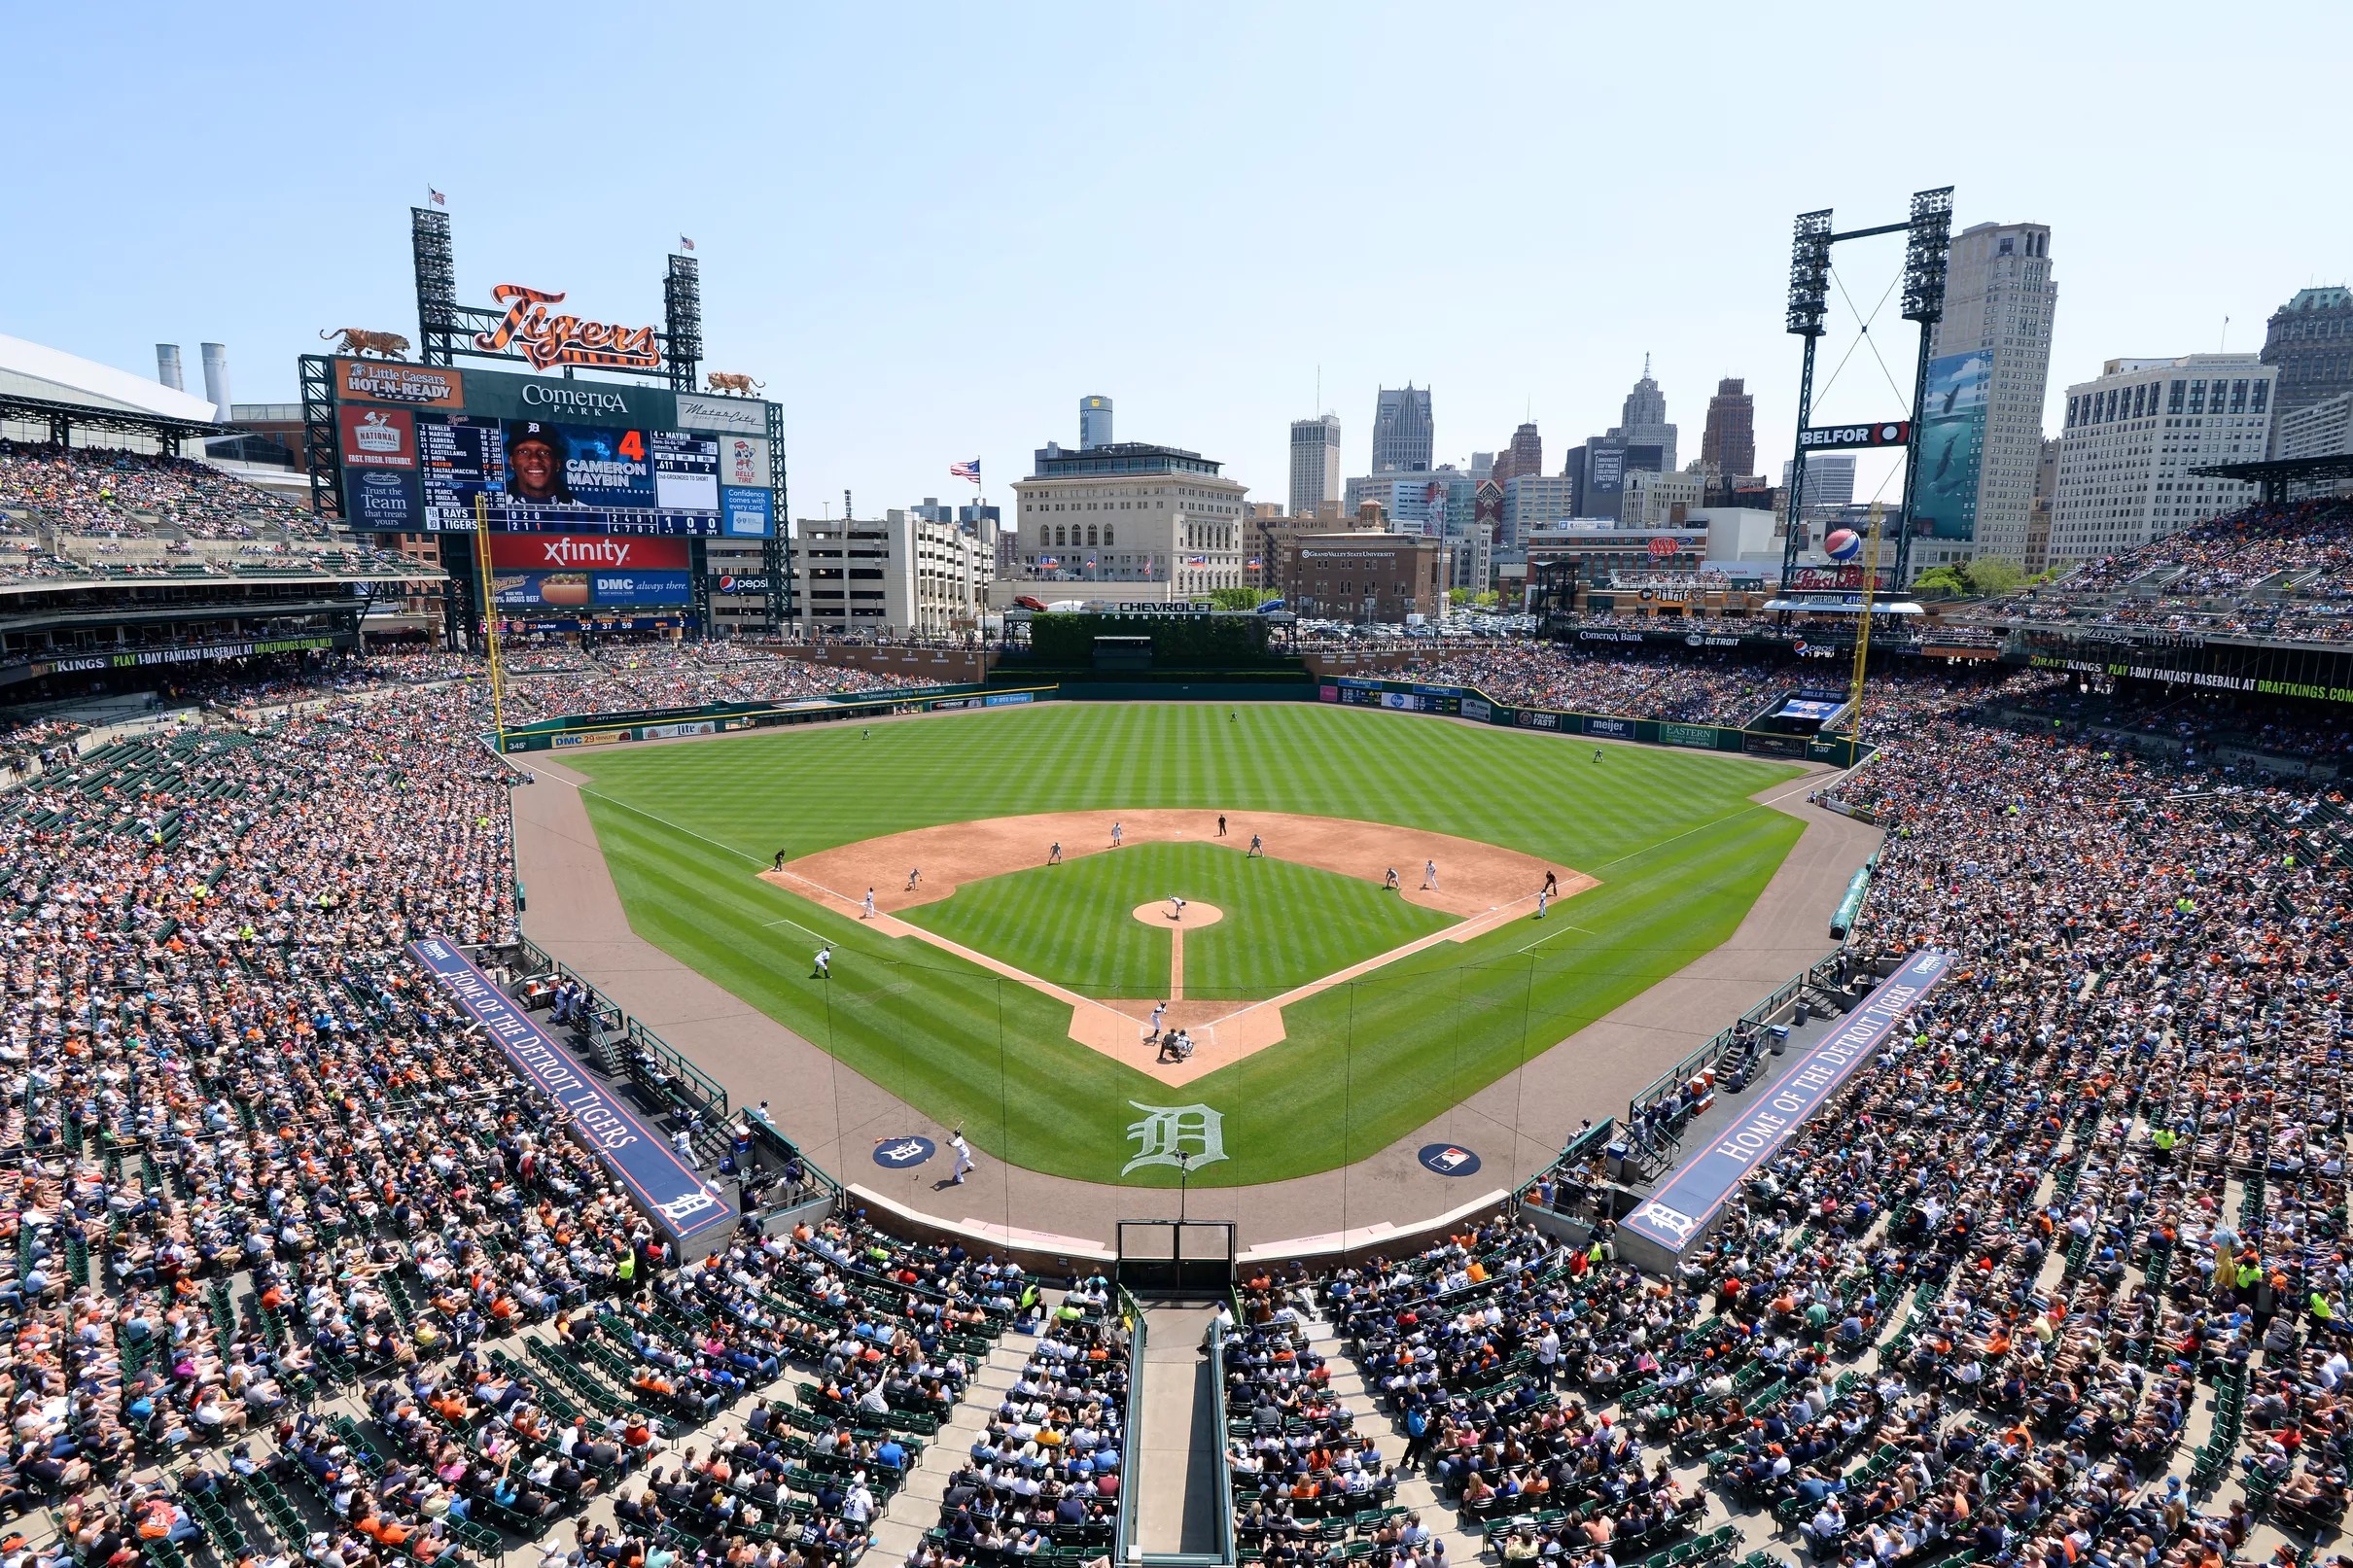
x: 824, y: 964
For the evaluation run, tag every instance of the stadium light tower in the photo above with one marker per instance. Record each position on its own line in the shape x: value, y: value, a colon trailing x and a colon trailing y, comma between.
x: 1927, y: 231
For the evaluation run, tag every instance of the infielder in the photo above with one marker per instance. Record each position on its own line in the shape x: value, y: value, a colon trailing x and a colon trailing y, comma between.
x: 1543, y: 896
x: 1429, y: 876
x: 1388, y: 883
x: 914, y: 875
x: 868, y: 913
x: 1054, y: 854
x: 1257, y: 847
x: 1115, y: 835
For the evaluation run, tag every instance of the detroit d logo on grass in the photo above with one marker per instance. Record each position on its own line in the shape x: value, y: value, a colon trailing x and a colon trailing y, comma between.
x: 1196, y: 1130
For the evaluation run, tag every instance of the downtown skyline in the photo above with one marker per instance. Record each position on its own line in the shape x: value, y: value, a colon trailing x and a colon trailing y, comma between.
x: 916, y: 283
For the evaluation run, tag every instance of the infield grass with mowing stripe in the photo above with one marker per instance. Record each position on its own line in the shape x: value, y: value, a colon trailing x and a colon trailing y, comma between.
x: 1680, y: 850
x: 1283, y: 924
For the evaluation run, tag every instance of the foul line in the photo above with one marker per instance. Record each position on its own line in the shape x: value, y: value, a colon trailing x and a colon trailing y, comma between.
x: 1549, y: 936
x: 655, y: 817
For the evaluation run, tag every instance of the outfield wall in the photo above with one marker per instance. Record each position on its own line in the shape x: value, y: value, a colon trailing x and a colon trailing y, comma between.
x: 669, y: 723
x: 1469, y: 702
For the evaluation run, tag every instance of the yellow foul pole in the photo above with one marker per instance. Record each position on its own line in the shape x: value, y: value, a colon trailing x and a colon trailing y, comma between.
x: 490, y: 620
x: 1862, y: 634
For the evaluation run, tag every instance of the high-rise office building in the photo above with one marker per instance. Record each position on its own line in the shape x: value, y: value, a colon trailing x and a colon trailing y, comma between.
x: 1525, y: 455
x: 2131, y: 438
x: 1999, y: 299
x: 1402, y: 436
x: 1529, y: 501
x: 1093, y: 423
x: 1315, y: 464
x: 1643, y: 420
x: 1829, y: 481
x: 2311, y: 340
x: 1728, y: 445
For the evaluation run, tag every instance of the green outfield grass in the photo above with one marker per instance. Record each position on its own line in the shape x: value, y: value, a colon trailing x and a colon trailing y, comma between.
x: 1283, y: 925
x: 1680, y: 850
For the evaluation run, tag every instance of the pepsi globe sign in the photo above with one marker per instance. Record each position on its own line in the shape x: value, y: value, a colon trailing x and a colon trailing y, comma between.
x: 1842, y: 545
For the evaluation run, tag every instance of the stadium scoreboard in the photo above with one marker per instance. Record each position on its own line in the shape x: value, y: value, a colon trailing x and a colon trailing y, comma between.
x: 419, y: 447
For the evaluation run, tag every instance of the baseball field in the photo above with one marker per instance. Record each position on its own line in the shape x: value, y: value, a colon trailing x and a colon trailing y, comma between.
x: 1328, y: 1012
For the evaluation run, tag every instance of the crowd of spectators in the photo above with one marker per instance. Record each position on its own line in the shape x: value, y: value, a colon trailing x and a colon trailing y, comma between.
x: 102, y: 490
x: 259, y: 1161
x: 1982, y: 1304
x: 2284, y: 570
x: 1705, y: 689
x: 631, y: 677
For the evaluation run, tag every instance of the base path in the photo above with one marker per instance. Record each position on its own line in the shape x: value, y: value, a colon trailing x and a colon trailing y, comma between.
x: 1484, y: 883
x: 835, y: 1114
x: 1473, y: 878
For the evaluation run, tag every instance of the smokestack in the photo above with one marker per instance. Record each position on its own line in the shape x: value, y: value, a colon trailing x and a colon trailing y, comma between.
x: 167, y: 366
x: 216, y: 380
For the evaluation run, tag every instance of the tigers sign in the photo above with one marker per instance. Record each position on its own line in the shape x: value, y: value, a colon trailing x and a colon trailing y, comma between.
x: 548, y: 340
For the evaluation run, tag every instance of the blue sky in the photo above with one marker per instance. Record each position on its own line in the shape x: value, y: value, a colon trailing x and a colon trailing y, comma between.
x: 931, y: 230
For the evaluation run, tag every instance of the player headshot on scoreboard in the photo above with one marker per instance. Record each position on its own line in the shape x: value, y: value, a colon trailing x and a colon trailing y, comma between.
x: 534, y: 464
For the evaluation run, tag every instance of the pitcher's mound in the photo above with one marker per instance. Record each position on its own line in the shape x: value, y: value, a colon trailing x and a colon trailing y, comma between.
x: 1161, y: 912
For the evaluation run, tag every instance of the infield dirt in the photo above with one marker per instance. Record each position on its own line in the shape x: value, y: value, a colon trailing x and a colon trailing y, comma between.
x: 1483, y: 884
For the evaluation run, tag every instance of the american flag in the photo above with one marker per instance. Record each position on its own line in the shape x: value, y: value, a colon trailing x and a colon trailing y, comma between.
x: 684, y: 244
x: 438, y: 199
x: 1195, y: 560
x: 1256, y: 564
x: 965, y: 471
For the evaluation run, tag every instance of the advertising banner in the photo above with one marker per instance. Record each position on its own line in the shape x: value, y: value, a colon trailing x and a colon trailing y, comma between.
x: 1699, y: 735
x: 384, y: 499
x: 377, y: 438
x: 747, y: 513
x: 574, y: 552
x: 744, y: 460
x: 665, y: 1187
x: 731, y: 416
x: 1952, y: 442
x: 412, y: 385
x: 640, y: 588
x: 501, y: 395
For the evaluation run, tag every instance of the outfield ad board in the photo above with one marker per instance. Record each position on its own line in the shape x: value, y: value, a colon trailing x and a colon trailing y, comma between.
x: 424, y: 448
x: 1952, y: 443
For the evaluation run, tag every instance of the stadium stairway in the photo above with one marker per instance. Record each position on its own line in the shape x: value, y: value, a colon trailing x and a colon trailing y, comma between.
x: 915, y: 1509
x: 1415, y: 1491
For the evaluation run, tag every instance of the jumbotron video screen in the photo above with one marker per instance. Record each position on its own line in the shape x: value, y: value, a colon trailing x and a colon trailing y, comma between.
x: 421, y: 448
